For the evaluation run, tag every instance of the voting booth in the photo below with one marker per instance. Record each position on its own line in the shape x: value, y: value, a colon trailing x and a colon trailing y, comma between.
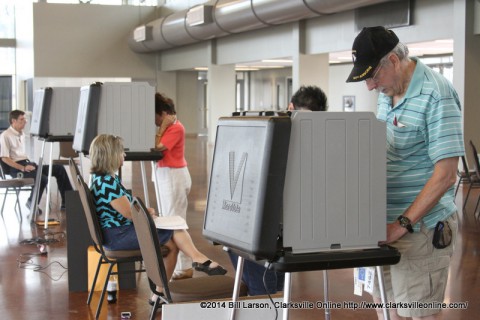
x: 54, y: 111
x: 300, y: 191
x: 53, y: 120
x: 335, y: 185
x: 125, y: 109
x: 244, y: 207
x: 312, y: 182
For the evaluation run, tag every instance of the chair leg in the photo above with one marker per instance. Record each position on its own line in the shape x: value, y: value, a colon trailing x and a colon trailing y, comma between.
x: 154, y: 309
x: 458, y: 186
x: 4, y: 199
x: 19, y: 206
x: 102, y: 296
x: 476, y: 207
x: 90, y: 294
x: 466, y: 198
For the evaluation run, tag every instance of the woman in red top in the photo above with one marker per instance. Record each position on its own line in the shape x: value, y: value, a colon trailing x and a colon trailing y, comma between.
x: 174, y: 181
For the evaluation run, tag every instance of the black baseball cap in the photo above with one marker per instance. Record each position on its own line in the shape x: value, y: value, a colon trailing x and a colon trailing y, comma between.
x: 369, y: 47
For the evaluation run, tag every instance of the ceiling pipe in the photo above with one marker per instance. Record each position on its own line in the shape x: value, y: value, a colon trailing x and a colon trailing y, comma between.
x: 218, y: 18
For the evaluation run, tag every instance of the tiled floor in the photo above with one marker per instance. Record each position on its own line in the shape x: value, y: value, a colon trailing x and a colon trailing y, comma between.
x: 43, y: 294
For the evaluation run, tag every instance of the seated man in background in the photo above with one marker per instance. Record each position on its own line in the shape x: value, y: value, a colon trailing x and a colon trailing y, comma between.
x: 309, y: 98
x: 12, y: 153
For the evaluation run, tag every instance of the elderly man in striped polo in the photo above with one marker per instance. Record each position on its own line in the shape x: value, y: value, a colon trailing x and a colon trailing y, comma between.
x: 424, y: 140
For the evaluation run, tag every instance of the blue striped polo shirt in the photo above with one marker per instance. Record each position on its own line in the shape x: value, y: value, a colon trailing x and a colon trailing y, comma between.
x: 423, y: 128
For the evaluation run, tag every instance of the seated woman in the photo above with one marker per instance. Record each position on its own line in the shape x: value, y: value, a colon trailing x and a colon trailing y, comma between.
x: 112, y: 203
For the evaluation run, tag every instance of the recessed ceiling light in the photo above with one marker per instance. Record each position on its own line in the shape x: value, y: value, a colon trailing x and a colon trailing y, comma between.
x: 277, y: 61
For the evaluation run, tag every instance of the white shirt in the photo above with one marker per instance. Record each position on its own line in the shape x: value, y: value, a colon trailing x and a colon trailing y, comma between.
x: 12, y: 145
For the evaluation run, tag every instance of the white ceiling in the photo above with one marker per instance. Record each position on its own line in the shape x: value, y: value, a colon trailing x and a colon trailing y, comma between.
x: 437, y: 47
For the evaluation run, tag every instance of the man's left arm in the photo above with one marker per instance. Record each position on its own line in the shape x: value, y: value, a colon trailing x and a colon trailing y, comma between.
x: 443, y: 177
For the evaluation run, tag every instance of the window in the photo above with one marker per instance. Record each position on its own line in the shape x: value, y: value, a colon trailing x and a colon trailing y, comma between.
x: 5, y: 100
x: 7, y: 20
x: 7, y: 58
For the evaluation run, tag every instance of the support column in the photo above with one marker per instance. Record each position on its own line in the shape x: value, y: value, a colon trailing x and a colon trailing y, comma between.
x: 307, y: 69
x: 466, y: 77
x: 310, y: 70
x: 220, y: 95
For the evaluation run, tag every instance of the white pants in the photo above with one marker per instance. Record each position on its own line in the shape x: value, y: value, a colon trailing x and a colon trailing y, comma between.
x: 174, y: 185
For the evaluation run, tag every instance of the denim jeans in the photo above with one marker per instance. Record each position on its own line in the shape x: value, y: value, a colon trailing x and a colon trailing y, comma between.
x: 253, y: 275
x: 125, y: 238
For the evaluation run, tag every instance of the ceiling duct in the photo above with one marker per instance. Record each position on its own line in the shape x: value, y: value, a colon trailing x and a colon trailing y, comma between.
x: 232, y: 16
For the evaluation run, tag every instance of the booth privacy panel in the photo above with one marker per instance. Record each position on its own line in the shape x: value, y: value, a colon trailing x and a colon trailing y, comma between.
x: 125, y: 109
x: 335, y: 186
x: 63, y: 111
x: 87, y: 117
x: 42, y: 100
x: 54, y: 111
x: 246, y: 183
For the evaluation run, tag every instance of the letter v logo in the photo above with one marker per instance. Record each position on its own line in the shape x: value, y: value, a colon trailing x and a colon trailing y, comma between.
x: 235, y: 174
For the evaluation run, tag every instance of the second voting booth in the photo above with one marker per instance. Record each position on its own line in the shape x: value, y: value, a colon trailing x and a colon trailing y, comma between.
x: 304, y: 192
x: 125, y: 109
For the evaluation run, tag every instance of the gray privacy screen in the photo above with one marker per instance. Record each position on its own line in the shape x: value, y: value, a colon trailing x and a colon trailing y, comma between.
x: 246, y: 184
x: 330, y: 195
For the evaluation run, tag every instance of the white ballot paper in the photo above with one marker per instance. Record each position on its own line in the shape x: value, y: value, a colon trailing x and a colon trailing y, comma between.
x: 170, y: 223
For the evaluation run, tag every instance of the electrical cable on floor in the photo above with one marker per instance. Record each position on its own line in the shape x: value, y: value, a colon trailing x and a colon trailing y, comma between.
x: 46, y: 239
x: 54, y: 236
x: 268, y: 291
x: 28, y: 264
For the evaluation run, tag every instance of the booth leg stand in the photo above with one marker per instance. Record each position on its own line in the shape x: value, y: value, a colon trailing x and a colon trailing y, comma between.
x: 325, y: 294
x: 287, y: 293
x: 47, y: 206
x: 381, y: 284
x: 155, y: 183
x: 144, y: 180
x: 36, y: 187
x: 236, y: 288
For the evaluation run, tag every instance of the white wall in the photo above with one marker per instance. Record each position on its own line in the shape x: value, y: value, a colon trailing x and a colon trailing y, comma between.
x: 364, y: 100
x: 88, y: 41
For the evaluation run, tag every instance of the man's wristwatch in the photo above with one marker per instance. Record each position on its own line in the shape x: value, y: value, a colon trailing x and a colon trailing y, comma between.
x: 406, y: 223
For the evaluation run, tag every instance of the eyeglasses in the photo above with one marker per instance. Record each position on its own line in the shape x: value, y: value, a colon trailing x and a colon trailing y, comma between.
x: 21, y: 119
x: 375, y: 73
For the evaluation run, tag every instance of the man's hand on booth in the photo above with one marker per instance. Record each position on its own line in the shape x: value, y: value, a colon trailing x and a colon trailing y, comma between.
x: 394, y: 232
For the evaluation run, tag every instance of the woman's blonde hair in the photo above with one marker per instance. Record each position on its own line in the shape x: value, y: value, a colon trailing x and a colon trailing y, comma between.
x: 106, y: 152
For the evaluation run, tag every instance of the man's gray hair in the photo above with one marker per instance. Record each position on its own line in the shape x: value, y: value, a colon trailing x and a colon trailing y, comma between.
x: 400, y: 50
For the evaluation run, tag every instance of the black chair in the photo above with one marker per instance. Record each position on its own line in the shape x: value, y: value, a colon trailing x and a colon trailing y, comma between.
x: 14, y: 185
x: 477, y: 173
x: 74, y: 172
x: 466, y: 177
x: 111, y: 258
x: 197, y: 288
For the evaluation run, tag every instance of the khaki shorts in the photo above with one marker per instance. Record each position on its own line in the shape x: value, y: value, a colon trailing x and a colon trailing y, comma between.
x: 422, y: 273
